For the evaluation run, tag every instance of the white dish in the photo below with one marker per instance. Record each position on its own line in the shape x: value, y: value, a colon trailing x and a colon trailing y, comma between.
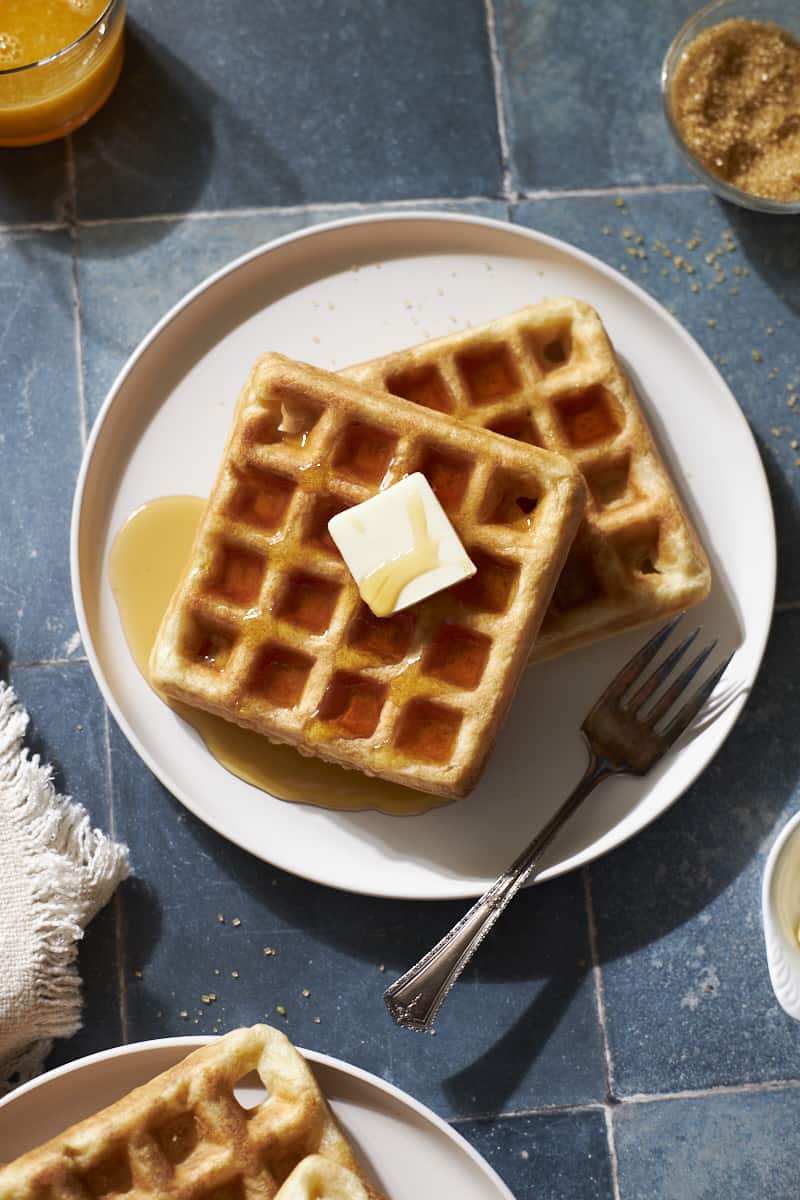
x: 780, y: 907
x: 347, y: 291
x: 413, y: 1154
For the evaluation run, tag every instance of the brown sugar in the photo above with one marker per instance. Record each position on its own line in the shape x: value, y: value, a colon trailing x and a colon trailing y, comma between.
x: 736, y: 101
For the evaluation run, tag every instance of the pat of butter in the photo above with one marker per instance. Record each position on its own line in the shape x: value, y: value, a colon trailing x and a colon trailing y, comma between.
x: 400, y: 547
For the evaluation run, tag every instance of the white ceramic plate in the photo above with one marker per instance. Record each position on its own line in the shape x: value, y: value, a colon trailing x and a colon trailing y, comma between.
x: 161, y: 430
x: 413, y: 1154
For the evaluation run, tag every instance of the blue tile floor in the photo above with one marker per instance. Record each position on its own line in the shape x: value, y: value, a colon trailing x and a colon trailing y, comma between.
x: 645, y: 975
x: 617, y: 1038
x: 263, y: 98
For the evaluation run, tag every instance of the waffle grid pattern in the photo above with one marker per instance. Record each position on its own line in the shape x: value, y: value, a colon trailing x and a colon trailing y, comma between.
x: 549, y: 376
x: 185, y: 1136
x: 268, y: 628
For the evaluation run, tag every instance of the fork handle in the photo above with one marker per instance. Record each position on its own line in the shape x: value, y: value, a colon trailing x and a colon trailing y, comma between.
x: 416, y: 997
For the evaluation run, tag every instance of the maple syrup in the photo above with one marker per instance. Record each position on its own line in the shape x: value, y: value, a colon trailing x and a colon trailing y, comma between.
x: 146, y: 561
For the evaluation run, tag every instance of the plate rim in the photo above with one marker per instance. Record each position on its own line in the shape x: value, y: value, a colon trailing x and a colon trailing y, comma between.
x: 456, y: 890
x: 196, y: 1041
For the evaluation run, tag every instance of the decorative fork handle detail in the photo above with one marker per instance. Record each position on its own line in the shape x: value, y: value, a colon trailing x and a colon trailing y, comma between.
x: 416, y: 997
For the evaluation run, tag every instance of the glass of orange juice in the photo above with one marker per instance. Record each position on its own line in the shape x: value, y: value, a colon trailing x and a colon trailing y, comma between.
x: 59, y: 62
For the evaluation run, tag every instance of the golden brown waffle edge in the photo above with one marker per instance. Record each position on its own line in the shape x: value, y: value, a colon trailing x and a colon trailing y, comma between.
x: 267, y: 628
x: 318, y: 1178
x: 184, y: 1134
x: 548, y: 374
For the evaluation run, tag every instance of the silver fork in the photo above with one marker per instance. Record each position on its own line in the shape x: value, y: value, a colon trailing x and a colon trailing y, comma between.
x: 621, y: 740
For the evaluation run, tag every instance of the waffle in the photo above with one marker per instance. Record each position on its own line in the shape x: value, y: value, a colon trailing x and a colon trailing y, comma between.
x: 184, y: 1135
x: 267, y: 627
x: 548, y: 375
x: 318, y: 1178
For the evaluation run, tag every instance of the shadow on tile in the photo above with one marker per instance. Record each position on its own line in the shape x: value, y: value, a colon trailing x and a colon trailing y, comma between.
x: 151, y: 149
x: 33, y: 183
x: 154, y: 131
x: 143, y: 912
x: 518, y: 1047
x: 697, y: 851
x: 772, y: 247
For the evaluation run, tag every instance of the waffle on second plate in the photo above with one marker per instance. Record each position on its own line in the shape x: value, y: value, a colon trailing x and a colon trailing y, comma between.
x: 548, y: 375
x: 268, y: 630
x: 185, y: 1134
x: 318, y: 1178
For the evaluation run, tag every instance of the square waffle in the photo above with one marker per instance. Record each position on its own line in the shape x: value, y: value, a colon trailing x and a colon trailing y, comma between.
x: 548, y: 375
x: 268, y: 630
x: 185, y: 1136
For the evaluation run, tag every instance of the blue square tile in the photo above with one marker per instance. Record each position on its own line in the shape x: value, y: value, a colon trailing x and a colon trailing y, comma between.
x: 581, y: 87
x: 547, y: 1156
x: 67, y: 730
x: 39, y: 444
x: 34, y: 185
x: 270, y: 104
x: 717, y: 1145
x: 732, y: 281
x: 678, y: 911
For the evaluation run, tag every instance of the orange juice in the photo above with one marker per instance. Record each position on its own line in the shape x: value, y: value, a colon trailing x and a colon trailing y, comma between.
x: 59, y: 61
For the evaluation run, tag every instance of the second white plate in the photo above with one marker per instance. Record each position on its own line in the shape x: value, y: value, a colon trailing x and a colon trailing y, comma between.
x: 345, y: 292
x: 412, y: 1153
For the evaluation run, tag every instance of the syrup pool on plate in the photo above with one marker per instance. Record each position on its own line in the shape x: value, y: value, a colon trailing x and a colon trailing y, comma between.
x: 147, y: 558
x: 59, y: 62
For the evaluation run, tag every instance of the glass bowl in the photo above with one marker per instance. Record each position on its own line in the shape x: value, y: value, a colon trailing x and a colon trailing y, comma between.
x: 43, y: 100
x: 786, y: 14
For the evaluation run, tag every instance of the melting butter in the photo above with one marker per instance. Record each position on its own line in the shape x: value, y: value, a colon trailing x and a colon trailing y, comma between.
x: 382, y: 587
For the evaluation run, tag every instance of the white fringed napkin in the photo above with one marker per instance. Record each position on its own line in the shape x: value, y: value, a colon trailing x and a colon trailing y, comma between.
x: 56, y: 872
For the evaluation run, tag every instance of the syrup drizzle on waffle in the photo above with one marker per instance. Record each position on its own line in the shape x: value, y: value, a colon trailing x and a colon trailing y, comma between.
x: 267, y: 628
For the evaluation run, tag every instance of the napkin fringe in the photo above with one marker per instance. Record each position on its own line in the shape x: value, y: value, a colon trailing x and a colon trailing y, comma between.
x: 73, y: 871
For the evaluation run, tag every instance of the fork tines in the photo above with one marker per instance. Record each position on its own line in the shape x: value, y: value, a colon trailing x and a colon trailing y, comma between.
x: 634, y: 669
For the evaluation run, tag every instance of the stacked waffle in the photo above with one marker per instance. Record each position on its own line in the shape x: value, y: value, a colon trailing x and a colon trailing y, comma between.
x: 268, y: 629
x: 185, y: 1134
x: 534, y: 443
x: 548, y: 375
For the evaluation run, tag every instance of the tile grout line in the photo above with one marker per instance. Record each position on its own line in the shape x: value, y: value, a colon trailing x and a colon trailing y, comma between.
x: 33, y: 227
x: 724, y: 1089
x: 500, y: 110
x: 611, y: 1145
x: 49, y: 662
x: 787, y: 606
x: 76, y: 299
x: 119, y: 924
x: 597, y: 975
x: 600, y: 1006
x: 278, y: 210
x: 633, y: 189
x: 632, y: 1101
x: 377, y: 206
